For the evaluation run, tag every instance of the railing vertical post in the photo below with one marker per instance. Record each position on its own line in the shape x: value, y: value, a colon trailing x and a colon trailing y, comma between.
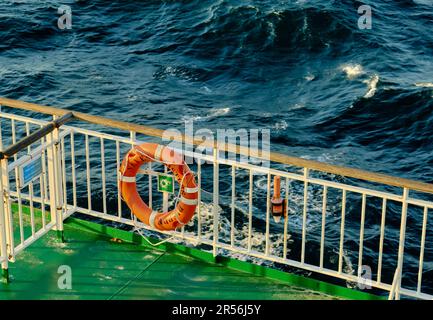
x: 119, y: 197
x: 88, y: 180
x: 1, y: 134
x: 74, y: 182
x: 250, y: 210
x: 402, y: 240
x: 342, y: 226
x: 55, y: 182
x: 3, y: 247
x: 3, y: 227
x: 104, y: 186
x: 133, y: 138
x: 165, y: 195
x: 199, y: 199
x: 215, y: 201
x: 286, y: 219
x: 304, y: 215
x: 422, y: 249
x: 150, y: 187
x: 322, y: 235
x: 31, y: 191
x: 7, y: 212
x: 268, y: 209
x: 232, y: 219
x: 382, y: 236
x: 393, y: 290
x: 361, y: 236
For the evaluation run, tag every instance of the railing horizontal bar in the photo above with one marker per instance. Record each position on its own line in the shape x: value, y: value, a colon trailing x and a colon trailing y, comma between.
x: 420, y: 203
x: 257, y: 169
x: 12, y: 116
x: 39, y: 149
x: 26, y: 196
x: 106, y: 136
x: 359, y: 190
x: 41, y: 232
x: 83, y: 131
x: 33, y: 238
x: 35, y: 136
x: 129, y: 222
x: 277, y: 157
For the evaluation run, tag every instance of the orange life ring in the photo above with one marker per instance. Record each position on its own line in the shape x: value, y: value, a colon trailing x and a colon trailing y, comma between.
x: 148, y: 152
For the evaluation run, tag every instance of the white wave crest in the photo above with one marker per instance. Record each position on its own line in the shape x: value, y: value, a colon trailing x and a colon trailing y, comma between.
x: 352, y: 70
x: 281, y: 125
x: 310, y: 77
x: 371, y: 86
x: 214, y: 113
x: 424, y: 84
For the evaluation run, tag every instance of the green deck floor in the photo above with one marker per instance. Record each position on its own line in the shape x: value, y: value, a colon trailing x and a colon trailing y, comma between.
x: 105, y: 268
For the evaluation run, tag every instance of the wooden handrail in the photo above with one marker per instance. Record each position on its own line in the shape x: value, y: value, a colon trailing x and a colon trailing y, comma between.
x: 276, y: 157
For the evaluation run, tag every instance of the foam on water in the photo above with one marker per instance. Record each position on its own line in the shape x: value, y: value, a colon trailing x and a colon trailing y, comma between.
x: 424, y: 2
x: 214, y: 113
x: 352, y: 70
x: 310, y: 77
x: 424, y: 84
x: 281, y: 125
x: 371, y: 86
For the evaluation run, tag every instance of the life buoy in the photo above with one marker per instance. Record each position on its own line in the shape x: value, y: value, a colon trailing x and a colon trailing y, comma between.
x: 148, y: 152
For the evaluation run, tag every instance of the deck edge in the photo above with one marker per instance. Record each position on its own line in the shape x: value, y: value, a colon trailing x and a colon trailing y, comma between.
x: 285, y: 277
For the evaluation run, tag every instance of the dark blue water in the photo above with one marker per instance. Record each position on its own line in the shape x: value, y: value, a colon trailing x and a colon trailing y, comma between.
x: 327, y: 90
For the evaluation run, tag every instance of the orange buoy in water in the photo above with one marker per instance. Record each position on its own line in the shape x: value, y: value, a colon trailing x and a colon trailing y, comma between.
x: 277, y: 201
x: 148, y: 152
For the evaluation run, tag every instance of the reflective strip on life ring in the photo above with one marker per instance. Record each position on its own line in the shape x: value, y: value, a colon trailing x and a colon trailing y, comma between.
x: 127, y: 179
x: 191, y: 190
x: 185, y: 209
x: 152, y: 219
x: 190, y: 202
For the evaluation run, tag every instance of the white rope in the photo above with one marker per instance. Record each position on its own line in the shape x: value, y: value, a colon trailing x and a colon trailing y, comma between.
x: 136, y: 228
x: 148, y: 241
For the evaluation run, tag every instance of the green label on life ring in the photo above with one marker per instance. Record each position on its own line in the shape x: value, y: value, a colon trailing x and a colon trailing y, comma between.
x: 165, y: 183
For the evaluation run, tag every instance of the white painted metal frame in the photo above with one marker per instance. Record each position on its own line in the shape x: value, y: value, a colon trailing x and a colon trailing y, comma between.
x: 49, y: 149
x: 3, y: 240
x: 60, y: 208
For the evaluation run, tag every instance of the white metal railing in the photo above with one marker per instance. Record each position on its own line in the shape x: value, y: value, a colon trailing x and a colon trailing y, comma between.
x: 84, y: 180
x: 20, y: 229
